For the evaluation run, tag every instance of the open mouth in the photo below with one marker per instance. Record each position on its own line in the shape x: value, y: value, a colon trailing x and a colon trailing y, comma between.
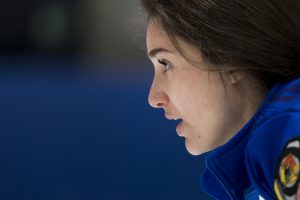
x: 179, y: 128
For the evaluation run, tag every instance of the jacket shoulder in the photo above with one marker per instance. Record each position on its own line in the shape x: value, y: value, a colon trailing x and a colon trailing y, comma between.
x: 266, y: 148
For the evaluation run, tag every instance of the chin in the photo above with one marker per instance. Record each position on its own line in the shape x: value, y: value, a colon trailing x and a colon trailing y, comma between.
x: 194, y: 153
x: 193, y: 149
x: 196, y: 149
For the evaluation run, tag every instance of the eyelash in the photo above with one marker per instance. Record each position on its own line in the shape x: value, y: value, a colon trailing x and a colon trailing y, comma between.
x: 165, y: 64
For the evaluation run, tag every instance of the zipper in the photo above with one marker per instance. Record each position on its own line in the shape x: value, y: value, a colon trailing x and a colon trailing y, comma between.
x: 213, y: 170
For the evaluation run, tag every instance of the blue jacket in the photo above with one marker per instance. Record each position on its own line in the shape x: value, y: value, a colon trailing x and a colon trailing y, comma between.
x: 262, y: 160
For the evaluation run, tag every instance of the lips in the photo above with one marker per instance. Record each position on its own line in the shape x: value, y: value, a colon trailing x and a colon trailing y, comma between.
x: 179, y: 129
x: 169, y: 117
x: 179, y: 126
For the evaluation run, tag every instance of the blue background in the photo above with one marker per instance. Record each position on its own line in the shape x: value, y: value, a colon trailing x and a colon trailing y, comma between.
x: 77, y: 135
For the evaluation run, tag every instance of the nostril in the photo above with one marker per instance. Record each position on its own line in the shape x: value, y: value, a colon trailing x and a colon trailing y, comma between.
x: 157, y: 99
x: 160, y: 105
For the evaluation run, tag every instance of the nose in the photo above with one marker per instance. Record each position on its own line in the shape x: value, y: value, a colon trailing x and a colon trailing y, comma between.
x: 157, y: 98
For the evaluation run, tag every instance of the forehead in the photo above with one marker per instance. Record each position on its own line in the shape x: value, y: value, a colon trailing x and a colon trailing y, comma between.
x: 157, y: 37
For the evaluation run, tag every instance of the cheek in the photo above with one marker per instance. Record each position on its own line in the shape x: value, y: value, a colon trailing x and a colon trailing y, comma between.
x: 185, y: 94
x: 193, y: 98
x: 182, y: 97
x: 194, y: 93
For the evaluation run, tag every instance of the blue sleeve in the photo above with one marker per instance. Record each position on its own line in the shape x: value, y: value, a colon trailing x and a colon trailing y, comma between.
x: 272, y: 156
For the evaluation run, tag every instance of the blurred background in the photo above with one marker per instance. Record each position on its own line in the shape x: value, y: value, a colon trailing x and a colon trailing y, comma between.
x: 74, y: 118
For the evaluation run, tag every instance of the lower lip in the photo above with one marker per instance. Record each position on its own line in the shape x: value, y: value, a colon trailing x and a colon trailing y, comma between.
x: 179, y: 129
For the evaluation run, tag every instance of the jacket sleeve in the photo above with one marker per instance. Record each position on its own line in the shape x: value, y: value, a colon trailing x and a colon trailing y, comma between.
x: 272, y: 156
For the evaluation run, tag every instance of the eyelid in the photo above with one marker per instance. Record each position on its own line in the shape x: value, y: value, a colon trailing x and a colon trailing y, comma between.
x: 165, y: 63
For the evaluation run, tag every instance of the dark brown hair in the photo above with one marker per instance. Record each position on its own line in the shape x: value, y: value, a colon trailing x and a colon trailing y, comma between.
x: 259, y: 37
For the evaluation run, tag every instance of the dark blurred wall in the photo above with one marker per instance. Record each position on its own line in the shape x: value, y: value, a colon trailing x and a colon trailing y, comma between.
x: 68, y: 134
x: 38, y: 27
x: 100, y: 30
x: 116, y: 29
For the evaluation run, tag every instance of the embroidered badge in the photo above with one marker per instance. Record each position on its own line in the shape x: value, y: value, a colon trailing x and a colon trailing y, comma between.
x: 287, y: 174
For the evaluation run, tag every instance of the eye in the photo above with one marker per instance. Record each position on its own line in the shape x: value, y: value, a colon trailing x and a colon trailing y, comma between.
x: 165, y: 64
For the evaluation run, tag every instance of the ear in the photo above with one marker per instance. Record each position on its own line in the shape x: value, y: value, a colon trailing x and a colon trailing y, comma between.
x: 236, y: 76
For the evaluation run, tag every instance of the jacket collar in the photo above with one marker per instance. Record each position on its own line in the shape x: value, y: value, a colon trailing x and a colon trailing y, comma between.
x: 225, y: 176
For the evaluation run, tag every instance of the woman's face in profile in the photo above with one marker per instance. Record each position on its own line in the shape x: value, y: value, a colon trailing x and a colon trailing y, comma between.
x: 208, y: 116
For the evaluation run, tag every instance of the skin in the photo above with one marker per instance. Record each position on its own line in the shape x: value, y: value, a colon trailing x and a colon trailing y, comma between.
x: 210, y: 115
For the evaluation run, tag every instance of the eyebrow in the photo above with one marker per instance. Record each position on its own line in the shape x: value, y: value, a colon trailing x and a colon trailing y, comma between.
x: 155, y: 51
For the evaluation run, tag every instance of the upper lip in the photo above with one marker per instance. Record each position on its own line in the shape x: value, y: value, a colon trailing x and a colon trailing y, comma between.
x: 170, y: 117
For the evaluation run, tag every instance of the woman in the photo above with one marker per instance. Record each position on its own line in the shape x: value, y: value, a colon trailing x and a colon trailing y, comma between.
x: 229, y: 70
